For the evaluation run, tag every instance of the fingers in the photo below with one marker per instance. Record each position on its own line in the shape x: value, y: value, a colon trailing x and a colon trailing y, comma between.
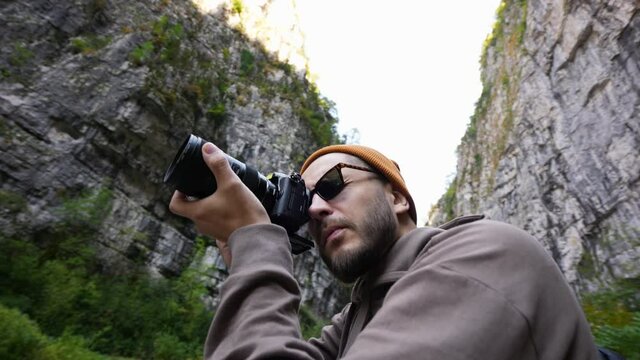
x: 179, y: 204
x: 230, y: 207
x: 217, y: 161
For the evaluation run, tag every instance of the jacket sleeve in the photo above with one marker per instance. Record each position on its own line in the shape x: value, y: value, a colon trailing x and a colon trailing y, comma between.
x: 257, y: 317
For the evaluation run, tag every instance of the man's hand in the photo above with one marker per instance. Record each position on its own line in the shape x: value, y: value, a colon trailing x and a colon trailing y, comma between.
x: 231, y: 207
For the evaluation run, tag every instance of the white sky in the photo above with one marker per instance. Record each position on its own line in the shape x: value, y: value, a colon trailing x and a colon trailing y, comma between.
x: 406, y: 74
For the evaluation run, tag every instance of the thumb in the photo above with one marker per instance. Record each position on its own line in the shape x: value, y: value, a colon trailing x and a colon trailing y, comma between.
x: 217, y: 162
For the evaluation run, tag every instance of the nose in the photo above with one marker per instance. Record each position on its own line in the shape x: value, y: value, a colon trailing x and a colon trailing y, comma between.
x: 319, y: 208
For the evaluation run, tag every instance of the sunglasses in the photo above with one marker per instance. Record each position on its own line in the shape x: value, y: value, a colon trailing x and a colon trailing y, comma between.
x: 332, y: 182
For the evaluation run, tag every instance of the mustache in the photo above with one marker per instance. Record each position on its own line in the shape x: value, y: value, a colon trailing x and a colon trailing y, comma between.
x: 318, y: 228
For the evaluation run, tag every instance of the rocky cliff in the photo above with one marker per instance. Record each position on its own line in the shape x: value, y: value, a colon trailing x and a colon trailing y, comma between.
x: 97, y: 95
x: 553, y: 145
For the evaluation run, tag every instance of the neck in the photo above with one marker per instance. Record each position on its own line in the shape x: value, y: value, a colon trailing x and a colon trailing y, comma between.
x: 405, y: 224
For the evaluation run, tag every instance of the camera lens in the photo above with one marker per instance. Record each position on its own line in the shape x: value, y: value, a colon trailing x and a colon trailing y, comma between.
x: 190, y: 174
x: 188, y: 171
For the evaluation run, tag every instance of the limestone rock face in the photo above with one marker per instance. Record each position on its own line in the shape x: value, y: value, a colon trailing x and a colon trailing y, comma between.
x: 554, y: 144
x: 99, y: 94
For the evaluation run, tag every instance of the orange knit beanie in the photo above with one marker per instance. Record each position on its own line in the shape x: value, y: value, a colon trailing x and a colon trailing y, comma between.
x: 385, y: 166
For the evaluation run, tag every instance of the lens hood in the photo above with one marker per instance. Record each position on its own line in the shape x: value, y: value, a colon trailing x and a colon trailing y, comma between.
x: 188, y: 172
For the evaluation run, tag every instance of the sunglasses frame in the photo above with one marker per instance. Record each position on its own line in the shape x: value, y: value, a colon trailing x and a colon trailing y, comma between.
x: 338, y: 167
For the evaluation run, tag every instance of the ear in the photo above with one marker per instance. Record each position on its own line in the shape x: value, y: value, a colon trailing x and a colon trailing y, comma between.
x: 400, y: 203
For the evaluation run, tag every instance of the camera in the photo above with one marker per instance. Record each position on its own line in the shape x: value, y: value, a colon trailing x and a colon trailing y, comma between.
x: 285, y: 197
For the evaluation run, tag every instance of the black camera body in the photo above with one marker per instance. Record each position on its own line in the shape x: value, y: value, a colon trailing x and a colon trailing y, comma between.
x: 292, y: 202
x: 285, y: 197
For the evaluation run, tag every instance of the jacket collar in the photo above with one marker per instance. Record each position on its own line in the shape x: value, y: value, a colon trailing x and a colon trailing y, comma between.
x: 396, y: 262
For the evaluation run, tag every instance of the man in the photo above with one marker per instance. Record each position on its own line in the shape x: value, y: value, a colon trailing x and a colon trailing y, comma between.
x: 474, y: 289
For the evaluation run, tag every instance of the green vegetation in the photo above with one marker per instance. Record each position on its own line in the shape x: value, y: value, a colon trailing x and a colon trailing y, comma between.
x: 57, y: 303
x: 320, y: 128
x: 21, y: 55
x: 495, y: 37
x: 18, y: 335
x: 89, y: 44
x: 522, y: 25
x: 505, y: 39
x: 481, y: 107
x: 56, y: 281
x: 218, y: 114
x: 498, y: 27
x: 142, y: 53
x: 504, y: 131
x: 311, y: 325
x: 477, y: 162
x: 237, y: 6
x: 501, y: 37
x: 165, y: 47
x: 181, y: 75
x: 316, y: 111
x: 168, y: 38
x: 449, y: 201
x: 21, y: 338
x: 192, y: 80
x: 247, y: 62
x: 587, y: 266
x: 614, y: 315
x: 12, y: 202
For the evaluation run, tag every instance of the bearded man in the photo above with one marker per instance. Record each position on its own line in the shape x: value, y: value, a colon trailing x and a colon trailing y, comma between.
x: 470, y: 289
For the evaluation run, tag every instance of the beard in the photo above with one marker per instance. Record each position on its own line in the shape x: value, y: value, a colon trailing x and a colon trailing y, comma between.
x: 376, y: 231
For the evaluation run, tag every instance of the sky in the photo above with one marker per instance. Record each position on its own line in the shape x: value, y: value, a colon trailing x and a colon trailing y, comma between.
x: 405, y: 74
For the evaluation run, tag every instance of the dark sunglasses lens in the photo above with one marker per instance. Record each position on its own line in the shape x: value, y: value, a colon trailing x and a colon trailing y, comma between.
x: 330, y: 184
